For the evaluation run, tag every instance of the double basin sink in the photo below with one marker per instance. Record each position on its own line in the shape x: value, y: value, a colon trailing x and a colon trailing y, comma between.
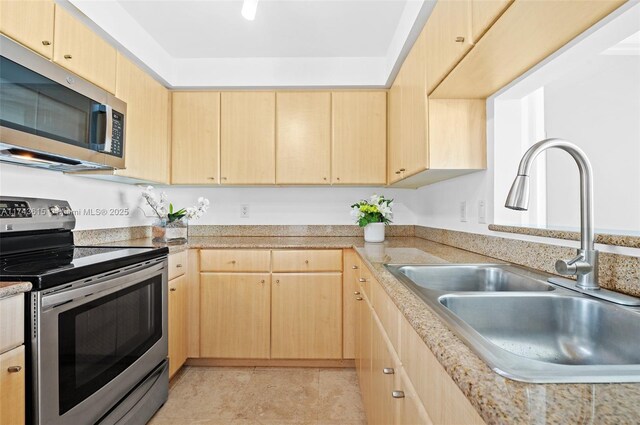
x: 527, y: 329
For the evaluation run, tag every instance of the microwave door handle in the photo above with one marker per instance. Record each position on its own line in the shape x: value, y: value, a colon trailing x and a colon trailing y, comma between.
x: 108, y: 131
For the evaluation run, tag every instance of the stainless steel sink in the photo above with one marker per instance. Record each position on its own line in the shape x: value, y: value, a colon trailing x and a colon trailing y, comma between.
x: 526, y: 332
x: 470, y: 278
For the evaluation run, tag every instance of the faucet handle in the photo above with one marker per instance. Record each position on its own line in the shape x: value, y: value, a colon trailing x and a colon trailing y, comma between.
x: 575, y: 266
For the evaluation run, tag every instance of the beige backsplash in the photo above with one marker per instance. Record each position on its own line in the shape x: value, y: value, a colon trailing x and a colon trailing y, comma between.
x: 617, y: 272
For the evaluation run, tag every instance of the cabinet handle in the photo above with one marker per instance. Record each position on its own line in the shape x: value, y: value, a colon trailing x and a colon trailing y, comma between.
x: 397, y: 172
x: 46, y: 43
x: 68, y: 56
x: 324, y: 178
x: 262, y: 281
x: 233, y: 261
x: 358, y: 298
x: 306, y: 261
x: 172, y: 289
x: 338, y: 178
x: 14, y: 369
x: 459, y: 39
x: 178, y: 266
x: 211, y: 178
x: 223, y: 178
x: 362, y: 279
x: 354, y: 267
x: 277, y: 281
x: 397, y: 394
x: 388, y: 371
x: 356, y: 293
x: 403, y: 170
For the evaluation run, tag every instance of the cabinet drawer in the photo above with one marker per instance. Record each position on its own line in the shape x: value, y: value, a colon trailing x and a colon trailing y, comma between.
x: 307, y: 261
x: 12, y: 384
x: 235, y: 260
x: 387, y: 312
x: 11, y: 322
x: 177, y: 264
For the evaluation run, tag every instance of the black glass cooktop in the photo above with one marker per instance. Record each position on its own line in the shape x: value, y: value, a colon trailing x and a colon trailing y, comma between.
x: 52, y: 267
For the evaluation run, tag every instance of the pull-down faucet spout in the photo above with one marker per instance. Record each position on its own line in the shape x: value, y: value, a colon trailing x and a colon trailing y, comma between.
x: 585, y: 264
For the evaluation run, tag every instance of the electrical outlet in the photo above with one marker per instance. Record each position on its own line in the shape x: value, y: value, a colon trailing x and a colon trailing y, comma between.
x: 244, y: 211
x: 463, y: 211
x: 482, y: 213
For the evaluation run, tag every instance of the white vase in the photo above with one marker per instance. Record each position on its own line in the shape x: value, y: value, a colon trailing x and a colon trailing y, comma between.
x: 374, y: 232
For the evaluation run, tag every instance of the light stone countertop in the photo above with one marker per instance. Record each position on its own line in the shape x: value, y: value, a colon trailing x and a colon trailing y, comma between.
x: 498, y: 400
x: 8, y: 289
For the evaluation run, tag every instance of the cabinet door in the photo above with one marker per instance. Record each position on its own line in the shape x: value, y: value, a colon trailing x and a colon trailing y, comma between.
x: 359, y: 154
x: 12, y: 393
x: 147, y: 145
x: 395, y: 128
x: 363, y: 353
x: 382, y: 379
x: 82, y: 51
x: 415, y: 114
x: 484, y: 13
x: 409, y: 409
x: 303, y: 128
x: 247, y: 138
x: 234, y: 315
x: 350, y: 303
x: 178, y: 330
x: 29, y: 23
x: 448, y: 38
x: 306, y: 316
x: 195, y: 137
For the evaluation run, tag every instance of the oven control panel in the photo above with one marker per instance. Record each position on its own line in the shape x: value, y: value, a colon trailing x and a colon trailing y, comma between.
x: 28, y: 214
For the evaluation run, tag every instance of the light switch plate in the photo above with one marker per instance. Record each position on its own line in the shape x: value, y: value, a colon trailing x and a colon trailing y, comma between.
x: 463, y: 211
x: 482, y: 212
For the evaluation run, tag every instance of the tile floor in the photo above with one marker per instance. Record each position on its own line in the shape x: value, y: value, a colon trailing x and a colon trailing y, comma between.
x: 263, y: 396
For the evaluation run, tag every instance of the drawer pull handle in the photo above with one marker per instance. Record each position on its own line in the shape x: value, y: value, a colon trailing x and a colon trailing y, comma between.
x: 14, y: 369
x: 262, y: 281
x: 354, y: 267
x: 178, y: 266
x: 388, y: 371
x: 46, y: 43
x: 459, y: 39
x: 397, y: 394
x: 356, y: 293
x: 397, y: 172
x: 172, y: 289
x: 306, y: 261
x: 362, y: 279
x: 358, y: 298
x: 68, y: 56
x: 233, y: 261
x: 277, y: 281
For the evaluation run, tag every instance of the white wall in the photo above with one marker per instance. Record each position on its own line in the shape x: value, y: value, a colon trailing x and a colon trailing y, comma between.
x: 276, y: 205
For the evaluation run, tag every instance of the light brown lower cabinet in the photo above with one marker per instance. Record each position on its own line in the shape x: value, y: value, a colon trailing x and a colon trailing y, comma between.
x: 350, y: 286
x: 306, y: 316
x: 12, y: 395
x: 409, y: 388
x: 178, y: 325
x: 235, y: 315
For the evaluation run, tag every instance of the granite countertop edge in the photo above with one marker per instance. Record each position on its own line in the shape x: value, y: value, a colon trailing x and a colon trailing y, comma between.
x: 497, y: 400
x: 8, y: 289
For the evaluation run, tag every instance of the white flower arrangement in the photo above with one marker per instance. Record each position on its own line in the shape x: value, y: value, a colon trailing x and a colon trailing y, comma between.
x: 377, y: 209
x: 159, y: 207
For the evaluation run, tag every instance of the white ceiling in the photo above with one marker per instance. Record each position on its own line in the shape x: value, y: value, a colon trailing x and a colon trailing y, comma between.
x: 294, y: 43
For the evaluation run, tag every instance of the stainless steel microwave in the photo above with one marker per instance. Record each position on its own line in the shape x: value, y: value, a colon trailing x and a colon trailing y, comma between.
x: 51, y: 118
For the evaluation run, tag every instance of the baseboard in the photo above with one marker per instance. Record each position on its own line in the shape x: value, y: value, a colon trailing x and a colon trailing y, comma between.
x: 338, y: 363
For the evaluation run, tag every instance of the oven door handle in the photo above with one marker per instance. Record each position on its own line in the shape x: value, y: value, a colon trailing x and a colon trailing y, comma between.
x: 114, y: 282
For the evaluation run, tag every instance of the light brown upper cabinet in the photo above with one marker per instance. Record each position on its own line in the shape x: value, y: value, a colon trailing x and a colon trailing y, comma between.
x: 247, y: 138
x: 303, y: 147
x: 359, y: 137
x: 484, y: 13
x: 195, y: 137
x: 525, y: 34
x: 394, y: 143
x: 147, y: 146
x: 29, y: 23
x: 83, y: 52
x: 448, y: 38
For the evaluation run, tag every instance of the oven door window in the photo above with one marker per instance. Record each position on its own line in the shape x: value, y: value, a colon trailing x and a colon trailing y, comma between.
x: 100, y: 339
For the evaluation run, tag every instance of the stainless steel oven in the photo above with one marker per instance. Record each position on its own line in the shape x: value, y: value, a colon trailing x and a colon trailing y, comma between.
x: 51, y: 118
x: 101, y: 342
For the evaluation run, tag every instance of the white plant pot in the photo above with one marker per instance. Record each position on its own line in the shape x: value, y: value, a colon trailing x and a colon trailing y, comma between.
x: 374, y: 232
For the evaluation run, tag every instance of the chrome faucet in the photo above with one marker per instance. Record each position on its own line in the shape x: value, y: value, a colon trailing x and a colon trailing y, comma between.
x: 585, y: 265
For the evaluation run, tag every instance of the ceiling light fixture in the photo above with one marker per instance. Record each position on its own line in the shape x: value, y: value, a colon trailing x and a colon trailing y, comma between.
x: 249, y: 8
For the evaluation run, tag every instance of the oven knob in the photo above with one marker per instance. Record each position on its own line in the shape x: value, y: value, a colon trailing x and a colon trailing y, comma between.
x: 55, y: 210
